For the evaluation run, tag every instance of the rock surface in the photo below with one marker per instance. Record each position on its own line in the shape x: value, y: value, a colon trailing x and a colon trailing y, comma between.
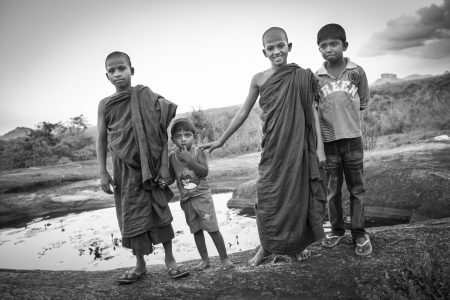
x: 329, y: 274
x: 411, y: 182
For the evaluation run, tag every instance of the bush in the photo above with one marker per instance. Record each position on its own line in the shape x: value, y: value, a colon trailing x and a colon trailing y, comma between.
x: 47, y: 144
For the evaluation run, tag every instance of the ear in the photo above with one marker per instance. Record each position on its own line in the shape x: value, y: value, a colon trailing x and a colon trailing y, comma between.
x: 132, y: 71
x: 264, y: 52
x: 289, y: 47
x: 345, y: 46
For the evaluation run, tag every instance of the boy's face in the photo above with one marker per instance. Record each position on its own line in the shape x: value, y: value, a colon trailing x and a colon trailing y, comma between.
x: 183, y: 139
x: 276, y: 48
x: 332, y: 50
x: 119, y: 72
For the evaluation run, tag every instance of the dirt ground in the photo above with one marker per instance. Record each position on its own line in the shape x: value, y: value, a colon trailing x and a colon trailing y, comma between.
x: 329, y: 274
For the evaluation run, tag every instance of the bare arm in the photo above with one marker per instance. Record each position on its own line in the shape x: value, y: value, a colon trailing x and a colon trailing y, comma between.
x: 164, y: 168
x: 102, y: 145
x: 320, y: 148
x: 172, y: 177
x: 363, y: 90
x: 239, y: 117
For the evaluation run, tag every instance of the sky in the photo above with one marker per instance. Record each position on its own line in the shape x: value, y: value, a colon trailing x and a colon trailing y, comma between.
x: 199, y: 54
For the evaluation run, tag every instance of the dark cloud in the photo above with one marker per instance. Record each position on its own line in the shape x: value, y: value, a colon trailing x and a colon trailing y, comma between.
x: 427, y: 34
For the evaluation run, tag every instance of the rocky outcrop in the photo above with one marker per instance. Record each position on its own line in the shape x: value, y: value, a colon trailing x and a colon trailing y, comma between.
x: 329, y: 274
x: 411, y: 182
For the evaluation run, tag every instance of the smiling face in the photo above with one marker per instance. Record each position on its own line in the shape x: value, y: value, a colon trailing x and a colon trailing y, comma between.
x: 332, y: 50
x: 276, y: 47
x: 119, y: 72
x: 183, y: 139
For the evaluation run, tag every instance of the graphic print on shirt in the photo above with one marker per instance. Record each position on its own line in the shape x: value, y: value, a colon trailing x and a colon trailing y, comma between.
x: 346, y: 86
x: 188, y: 179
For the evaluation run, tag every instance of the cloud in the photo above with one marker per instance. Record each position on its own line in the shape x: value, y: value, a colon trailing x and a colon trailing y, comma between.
x: 427, y: 34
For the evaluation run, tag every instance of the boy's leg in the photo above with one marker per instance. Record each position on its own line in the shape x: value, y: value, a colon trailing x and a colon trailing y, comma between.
x: 334, y: 188
x: 352, y: 161
x: 169, y: 259
x: 202, y: 250
x: 353, y: 169
x: 175, y: 271
x: 259, y: 256
x: 140, y: 265
x: 132, y: 276
x: 217, y: 238
x: 334, y: 194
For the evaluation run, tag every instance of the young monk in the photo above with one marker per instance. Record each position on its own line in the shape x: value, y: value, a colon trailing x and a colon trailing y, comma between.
x: 288, y: 182
x: 136, y: 121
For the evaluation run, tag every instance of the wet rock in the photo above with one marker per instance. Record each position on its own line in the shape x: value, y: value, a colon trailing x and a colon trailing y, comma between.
x: 412, y: 184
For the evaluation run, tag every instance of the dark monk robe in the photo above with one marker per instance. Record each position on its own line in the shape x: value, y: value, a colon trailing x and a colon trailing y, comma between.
x: 137, y: 124
x: 288, y: 185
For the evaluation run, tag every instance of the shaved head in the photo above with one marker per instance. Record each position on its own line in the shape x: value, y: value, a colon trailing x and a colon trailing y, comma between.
x: 119, y: 54
x: 274, y: 32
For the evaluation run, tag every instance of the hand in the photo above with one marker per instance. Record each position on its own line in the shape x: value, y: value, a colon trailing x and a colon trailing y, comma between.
x: 185, y: 155
x: 212, y: 146
x: 321, y: 157
x: 106, y: 182
x: 161, y: 183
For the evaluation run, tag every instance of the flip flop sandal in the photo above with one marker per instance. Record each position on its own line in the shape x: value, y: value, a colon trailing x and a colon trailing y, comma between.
x: 359, y: 249
x: 130, y: 277
x: 179, y: 272
x: 331, y: 240
x: 304, y: 255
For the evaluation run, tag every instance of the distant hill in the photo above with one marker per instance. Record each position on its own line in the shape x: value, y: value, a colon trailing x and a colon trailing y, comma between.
x: 392, y: 78
x: 408, y: 105
x: 217, y: 114
x: 16, y: 133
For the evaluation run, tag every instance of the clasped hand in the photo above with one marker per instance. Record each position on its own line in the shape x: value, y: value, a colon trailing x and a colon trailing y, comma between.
x: 211, y: 146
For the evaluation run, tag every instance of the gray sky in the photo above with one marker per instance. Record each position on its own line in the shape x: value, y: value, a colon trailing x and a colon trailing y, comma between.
x: 196, y: 53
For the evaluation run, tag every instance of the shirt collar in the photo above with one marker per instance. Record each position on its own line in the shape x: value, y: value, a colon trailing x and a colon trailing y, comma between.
x: 323, y: 70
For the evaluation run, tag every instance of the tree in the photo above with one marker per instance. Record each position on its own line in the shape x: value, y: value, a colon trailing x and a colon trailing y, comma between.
x: 203, y: 124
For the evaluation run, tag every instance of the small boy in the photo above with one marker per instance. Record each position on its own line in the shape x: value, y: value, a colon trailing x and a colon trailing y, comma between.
x: 189, y: 167
x: 344, y: 91
x: 288, y: 184
x: 134, y: 122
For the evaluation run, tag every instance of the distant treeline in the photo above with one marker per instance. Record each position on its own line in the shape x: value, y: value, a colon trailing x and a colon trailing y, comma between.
x: 49, y: 143
x: 393, y: 108
x: 407, y: 106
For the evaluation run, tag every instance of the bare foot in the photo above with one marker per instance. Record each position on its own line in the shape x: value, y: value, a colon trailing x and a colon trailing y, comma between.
x: 259, y: 256
x: 305, y: 254
x: 171, y: 264
x: 203, y: 265
x: 227, y: 264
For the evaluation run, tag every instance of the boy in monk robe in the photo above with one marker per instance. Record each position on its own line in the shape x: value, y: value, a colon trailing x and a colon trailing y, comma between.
x: 134, y: 122
x: 288, y: 184
x: 344, y: 92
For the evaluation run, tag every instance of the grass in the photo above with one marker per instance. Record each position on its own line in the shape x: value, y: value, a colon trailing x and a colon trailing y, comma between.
x: 425, y: 276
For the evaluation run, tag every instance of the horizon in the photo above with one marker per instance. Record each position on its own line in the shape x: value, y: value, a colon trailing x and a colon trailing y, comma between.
x: 91, y: 125
x: 191, y: 52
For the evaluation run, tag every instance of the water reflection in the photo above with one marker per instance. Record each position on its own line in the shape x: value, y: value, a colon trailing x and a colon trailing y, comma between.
x: 92, y: 241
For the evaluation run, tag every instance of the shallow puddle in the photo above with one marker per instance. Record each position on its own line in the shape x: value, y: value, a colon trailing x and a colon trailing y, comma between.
x: 91, y: 240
